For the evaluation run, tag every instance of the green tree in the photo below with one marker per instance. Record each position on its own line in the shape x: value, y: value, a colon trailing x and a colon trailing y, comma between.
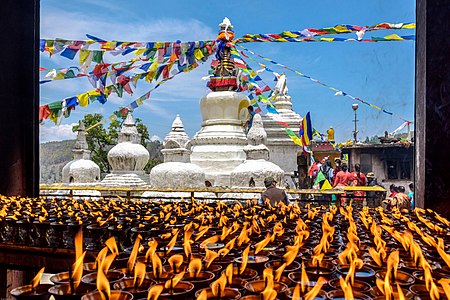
x: 100, y: 139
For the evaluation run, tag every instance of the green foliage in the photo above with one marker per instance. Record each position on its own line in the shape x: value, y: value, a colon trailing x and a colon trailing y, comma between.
x: 100, y: 140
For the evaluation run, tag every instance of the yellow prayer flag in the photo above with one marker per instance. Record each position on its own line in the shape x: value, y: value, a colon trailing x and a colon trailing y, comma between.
x: 327, y: 39
x: 409, y: 26
x: 326, y: 186
x: 83, y: 99
x: 139, y: 52
x: 84, y: 55
x: 341, y: 29
x: 290, y: 34
x: 296, y: 140
x: 198, y: 54
x: 394, y: 37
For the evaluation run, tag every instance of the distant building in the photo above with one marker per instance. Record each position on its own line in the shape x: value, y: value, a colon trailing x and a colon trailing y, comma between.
x: 391, y: 163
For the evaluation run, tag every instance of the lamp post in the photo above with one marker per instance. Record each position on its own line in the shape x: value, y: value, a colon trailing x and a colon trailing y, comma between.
x: 355, y: 132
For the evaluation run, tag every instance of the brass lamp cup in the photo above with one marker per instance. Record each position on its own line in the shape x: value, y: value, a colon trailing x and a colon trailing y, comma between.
x: 403, y: 279
x: 275, y: 264
x: 255, y: 262
x: 339, y: 294
x: 248, y: 274
x: 200, y: 281
x: 159, y: 279
x: 115, y: 295
x: 228, y: 294
x: 377, y: 294
x: 113, y: 276
x: 26, y: 292
x: 60, y: 278
x: 321, y: 295
x: 257, y: 286
x: 182, y: 290
x: 127, y: 285
x: 421, y: 292
x: 63, y: 292
x: 324, y: 269
x: 365, y: 273
x: 358, y: 285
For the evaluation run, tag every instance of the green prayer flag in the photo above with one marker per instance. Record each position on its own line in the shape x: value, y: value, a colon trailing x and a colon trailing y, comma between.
x: 98, y: 56
x: 320, y: 177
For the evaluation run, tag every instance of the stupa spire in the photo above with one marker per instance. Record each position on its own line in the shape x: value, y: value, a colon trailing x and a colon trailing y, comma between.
x: 224, y: 78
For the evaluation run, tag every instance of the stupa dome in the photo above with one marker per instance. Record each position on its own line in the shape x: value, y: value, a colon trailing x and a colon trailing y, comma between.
x: 81, y: 169
x: 128, y: 154
x: 253, y: 171
x: 177, y: 171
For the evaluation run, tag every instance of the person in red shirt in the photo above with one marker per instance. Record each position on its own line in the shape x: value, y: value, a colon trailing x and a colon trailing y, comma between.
x: 341, y: 180
x: 357, y: 178
x: 341, y: 176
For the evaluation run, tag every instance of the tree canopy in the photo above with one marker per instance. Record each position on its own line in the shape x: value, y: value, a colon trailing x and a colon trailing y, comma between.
x: 100, y: 140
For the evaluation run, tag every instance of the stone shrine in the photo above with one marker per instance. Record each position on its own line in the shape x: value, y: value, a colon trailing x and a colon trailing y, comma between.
x: 283, y: 152
x: 128, y: 158
x: 81, y: 169
x: 218, y: 147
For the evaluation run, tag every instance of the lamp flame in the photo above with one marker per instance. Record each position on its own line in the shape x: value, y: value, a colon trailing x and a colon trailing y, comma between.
x: 156, y: 265
x: 244, y: 260
x: 112, y: 246
x: 172, y: 242
x: 175, y: 261
x: 263, y: 243
x: 133, y: 255
x: 346, y: 288
x: 195, y: 267
x: 37, y: 279
x: 171, y: 283
x: 187, y: 242
x: 210, y: 240
x: 139, y: 272
x: 152, y: 245
x: 78, y: 242
x: 219, y: 285
x: 103, y: 284
x: 78, y: 271
x: 229, y: 273
x: 210, y: 256
x: 203, y: 295
x: 279, y: 272
x: 154, y: 292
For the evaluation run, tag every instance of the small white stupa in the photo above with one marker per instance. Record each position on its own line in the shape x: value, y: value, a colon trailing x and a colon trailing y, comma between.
x: 177, y: 171
x: 81, y: 169
x: 283, y: 151
x: 252, y: 172
x: 128, y: 158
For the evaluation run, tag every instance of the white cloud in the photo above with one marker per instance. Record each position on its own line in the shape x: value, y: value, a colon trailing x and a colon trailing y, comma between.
x: 77, y: 24
x: 155, y: 138
x: 56, y: 133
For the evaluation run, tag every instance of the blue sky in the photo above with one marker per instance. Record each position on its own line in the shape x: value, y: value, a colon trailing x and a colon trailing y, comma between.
x: 379, y: 73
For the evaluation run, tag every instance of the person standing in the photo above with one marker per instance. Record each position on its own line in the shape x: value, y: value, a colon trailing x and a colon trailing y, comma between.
x: 341, y: 180
x: 336, y: 169
x: 357, y: 178
x: 272, y: 193
x: 411, y: 195
x: 251, y: 114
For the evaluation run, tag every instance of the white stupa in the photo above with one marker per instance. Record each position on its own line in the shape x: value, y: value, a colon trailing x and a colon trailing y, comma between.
x: 283, y: 151
x: 81, y: 169
x: 219, y: 145
x: 128, y: 158
x: 177, y: 172
x: 252, y: 172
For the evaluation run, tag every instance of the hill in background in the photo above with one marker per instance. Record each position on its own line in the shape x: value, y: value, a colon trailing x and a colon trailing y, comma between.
x: 53, y: 156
